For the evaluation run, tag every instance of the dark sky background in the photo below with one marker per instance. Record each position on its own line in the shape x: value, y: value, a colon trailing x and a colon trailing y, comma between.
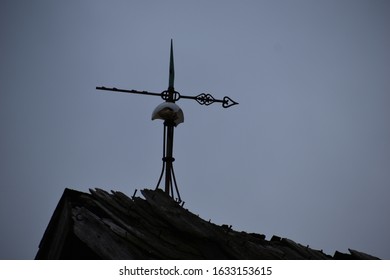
x: 306, y: 154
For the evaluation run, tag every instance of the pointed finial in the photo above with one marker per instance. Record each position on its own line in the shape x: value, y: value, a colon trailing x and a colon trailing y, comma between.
x: 171, y: 70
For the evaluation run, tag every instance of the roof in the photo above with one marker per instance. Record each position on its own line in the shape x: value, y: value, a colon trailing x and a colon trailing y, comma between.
x: 102, y: 225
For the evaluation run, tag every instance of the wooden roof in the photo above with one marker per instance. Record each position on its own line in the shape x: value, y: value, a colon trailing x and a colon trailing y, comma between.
x: 102, y: 225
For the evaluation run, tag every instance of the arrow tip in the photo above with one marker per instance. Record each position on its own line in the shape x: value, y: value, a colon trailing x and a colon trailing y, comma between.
x: 228, y: 102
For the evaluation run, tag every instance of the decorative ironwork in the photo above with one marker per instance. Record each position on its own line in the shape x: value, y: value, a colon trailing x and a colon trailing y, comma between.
x: 202, y: 99
x: 166, y: 95
x: 205, y: 99
x: 172, y: 96
x: 228, y: 102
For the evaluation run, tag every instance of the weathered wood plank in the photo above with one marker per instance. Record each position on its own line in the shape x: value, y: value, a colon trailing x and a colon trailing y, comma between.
x: 115, y: 226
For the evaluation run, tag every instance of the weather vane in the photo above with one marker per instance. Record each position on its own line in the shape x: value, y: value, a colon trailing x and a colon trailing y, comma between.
x: 172, y: 116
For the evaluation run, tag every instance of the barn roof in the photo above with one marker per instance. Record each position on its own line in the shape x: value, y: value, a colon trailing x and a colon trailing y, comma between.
x: 102, y: 225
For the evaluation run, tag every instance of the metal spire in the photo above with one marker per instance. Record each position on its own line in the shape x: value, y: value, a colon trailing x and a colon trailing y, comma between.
x: 169, y: 125
x: 172, y: 116
x: 171, y: 70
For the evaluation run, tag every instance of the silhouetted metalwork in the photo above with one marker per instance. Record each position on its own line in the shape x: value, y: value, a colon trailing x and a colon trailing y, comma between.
x: 172, y: 116
x: 202, y: 99
x: 168, y: 159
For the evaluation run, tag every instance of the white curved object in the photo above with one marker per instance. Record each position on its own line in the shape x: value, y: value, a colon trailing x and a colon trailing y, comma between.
x: 168, y: 111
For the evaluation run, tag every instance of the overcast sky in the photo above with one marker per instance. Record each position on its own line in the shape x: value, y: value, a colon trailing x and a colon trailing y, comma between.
x: 305, y: 155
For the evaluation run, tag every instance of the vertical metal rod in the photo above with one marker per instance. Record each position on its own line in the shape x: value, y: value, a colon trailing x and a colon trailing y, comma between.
x: 177, y: 189
x: 164, y: 156
x: 169, y: 127
x: 169, y: 158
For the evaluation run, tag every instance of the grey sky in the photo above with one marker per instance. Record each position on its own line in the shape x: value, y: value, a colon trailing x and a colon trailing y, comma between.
x: 306, y: 154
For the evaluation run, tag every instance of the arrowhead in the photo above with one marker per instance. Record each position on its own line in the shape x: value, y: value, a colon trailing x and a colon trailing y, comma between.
x: 228, y: 102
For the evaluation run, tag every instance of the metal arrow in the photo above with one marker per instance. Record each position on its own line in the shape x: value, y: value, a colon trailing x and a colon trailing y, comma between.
x: 202, y: 99
x: 172, y: 96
